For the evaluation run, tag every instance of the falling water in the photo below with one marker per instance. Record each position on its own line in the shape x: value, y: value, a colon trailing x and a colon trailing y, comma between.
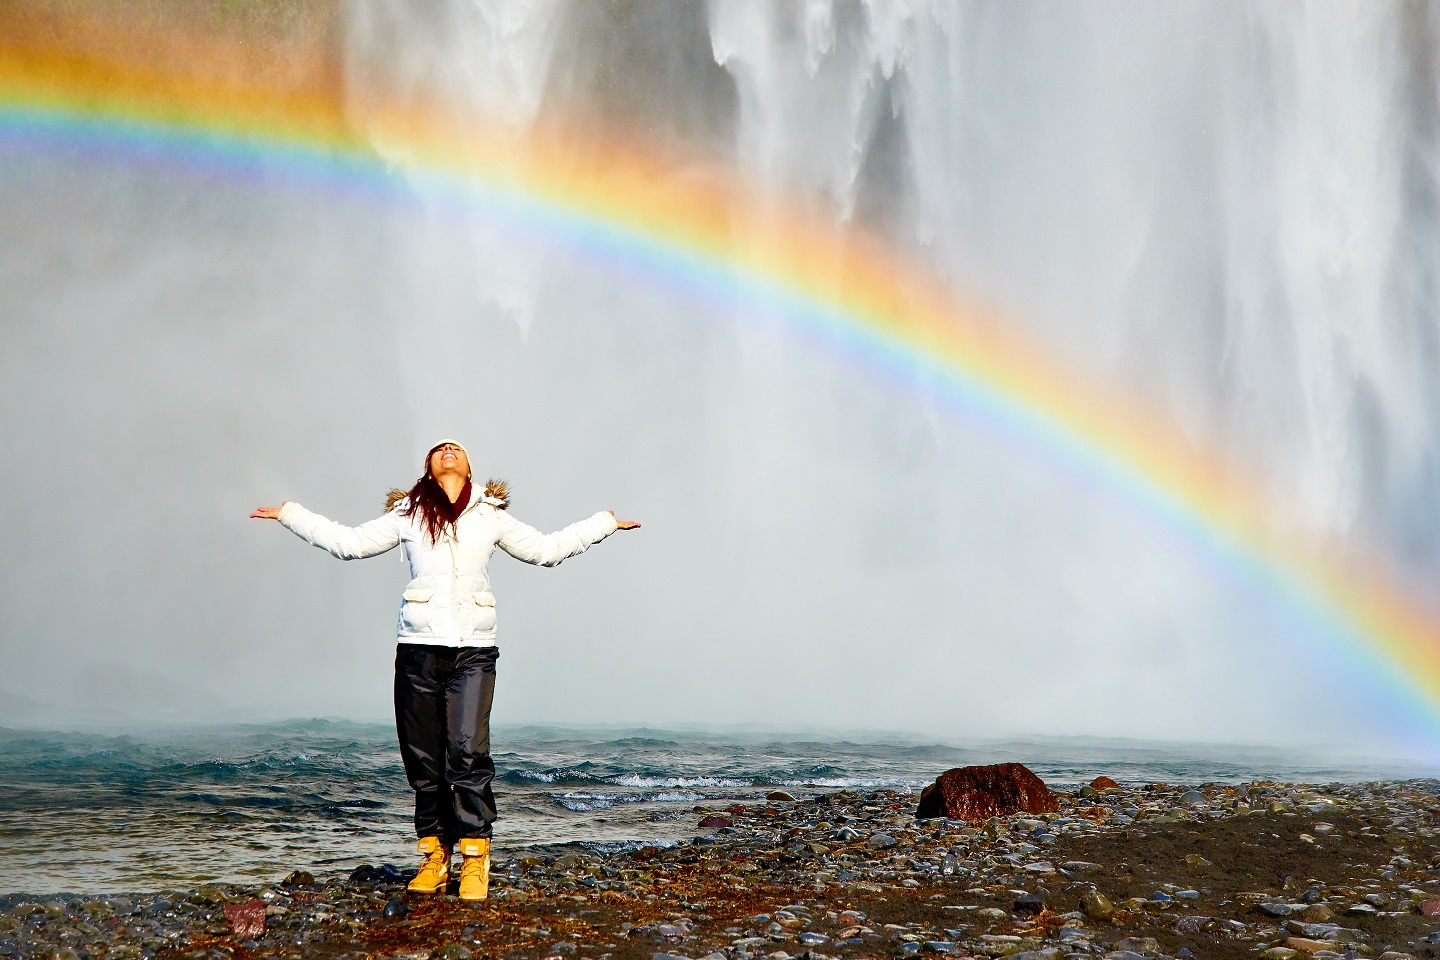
x: 1225, y: 212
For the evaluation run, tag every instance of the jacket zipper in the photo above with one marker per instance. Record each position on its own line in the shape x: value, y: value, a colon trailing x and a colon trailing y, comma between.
x: 455, y: 589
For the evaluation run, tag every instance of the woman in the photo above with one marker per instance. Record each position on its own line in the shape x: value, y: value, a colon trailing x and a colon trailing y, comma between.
x: 445, y: 658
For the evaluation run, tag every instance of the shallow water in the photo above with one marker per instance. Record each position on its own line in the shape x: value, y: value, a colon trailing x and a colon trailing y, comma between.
x: 169, y: 809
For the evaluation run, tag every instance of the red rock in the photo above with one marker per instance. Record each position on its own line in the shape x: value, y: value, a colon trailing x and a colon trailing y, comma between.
x: 246, y: 919
x: 737, y: 809
x: 1431, y: 908
x: 975, y: 794
x: 717, y: 821
x: 1103, y: 783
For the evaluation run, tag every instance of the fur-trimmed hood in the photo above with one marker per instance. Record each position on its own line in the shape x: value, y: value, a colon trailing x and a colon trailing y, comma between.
x: 497, y: 494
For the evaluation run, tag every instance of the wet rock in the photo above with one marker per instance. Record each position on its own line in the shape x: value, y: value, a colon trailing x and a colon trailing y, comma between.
x: 1360, y: 910
x: 715, y: 820
x: 396, y: 907
x: 1096, y: 905
x: 451, y: 951
x: 779, y: 796
x: 364, y: 874
x: 299, y: 878
x: 246, y: 919
x: 975, y: 794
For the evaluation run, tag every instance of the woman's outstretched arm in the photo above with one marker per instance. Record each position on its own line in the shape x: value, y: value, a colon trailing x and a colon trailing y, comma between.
x: 524, y: 542
x: 347, y: 543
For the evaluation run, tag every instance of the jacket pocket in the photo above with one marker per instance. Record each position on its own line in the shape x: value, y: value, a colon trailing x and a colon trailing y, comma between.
x: 484, y: 612
x: 415, y: 611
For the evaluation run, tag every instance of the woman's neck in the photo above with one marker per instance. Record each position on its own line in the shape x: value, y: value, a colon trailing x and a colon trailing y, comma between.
x: 452, y: 484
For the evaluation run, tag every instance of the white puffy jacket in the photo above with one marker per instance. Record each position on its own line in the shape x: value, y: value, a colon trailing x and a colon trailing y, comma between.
x: 448, y: 600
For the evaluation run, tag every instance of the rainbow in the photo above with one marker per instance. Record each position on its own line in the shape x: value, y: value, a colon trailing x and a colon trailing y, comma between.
x: 704, y: 232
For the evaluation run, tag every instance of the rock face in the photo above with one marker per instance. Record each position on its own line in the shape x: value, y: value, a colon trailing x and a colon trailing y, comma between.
x: 975, y: 794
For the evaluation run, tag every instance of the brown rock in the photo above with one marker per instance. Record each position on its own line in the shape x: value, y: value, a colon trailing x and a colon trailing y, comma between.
x: 1430, y: 908
x: 1306, y: 945
x: 715, y: 820
x: 246, y: 919
x: 974, y: 794
x: 1103, y: 783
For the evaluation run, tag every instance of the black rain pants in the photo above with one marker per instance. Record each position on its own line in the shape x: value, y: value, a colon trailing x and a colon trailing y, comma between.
x: 442, y: 714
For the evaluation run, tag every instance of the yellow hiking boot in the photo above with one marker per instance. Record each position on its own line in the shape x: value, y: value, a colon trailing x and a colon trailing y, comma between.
x: 475, y: 868
x: 434, y: 873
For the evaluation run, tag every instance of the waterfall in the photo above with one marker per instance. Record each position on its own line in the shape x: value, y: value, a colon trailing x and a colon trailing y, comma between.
x: 1225, y: 213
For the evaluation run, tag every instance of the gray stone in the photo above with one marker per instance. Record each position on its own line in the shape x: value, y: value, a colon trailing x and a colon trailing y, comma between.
x: 452, y: 951
x: 1193, y: 798
x: 880, y: 841
x: 1139, y: 945
x: 1273, y: 908
x: 1081, y: 866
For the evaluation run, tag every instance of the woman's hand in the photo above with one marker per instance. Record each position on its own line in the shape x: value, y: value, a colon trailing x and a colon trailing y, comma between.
x: 267, y: 513
x: 625, y: 524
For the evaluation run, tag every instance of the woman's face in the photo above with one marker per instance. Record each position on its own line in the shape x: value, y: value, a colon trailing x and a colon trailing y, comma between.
x: 448, y: 458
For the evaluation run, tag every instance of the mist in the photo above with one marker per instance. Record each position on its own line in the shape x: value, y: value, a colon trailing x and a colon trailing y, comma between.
x: 1227, y: 213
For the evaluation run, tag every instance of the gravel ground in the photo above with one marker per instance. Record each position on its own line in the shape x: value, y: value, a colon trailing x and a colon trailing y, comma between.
x: 1269, y: 870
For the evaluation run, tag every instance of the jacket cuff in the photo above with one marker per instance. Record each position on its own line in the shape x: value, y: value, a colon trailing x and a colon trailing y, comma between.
x: 610, y: 524
x: 289, y: 512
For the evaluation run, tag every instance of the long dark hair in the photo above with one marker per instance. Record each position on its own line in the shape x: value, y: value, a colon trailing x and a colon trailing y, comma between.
x: 437, y: 513
x: 427, y: 497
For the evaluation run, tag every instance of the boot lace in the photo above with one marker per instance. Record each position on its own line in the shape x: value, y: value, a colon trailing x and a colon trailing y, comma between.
x: 437, y: 860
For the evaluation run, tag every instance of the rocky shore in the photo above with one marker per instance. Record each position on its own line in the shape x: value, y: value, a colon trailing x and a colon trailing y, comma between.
x: 1268, y: 870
